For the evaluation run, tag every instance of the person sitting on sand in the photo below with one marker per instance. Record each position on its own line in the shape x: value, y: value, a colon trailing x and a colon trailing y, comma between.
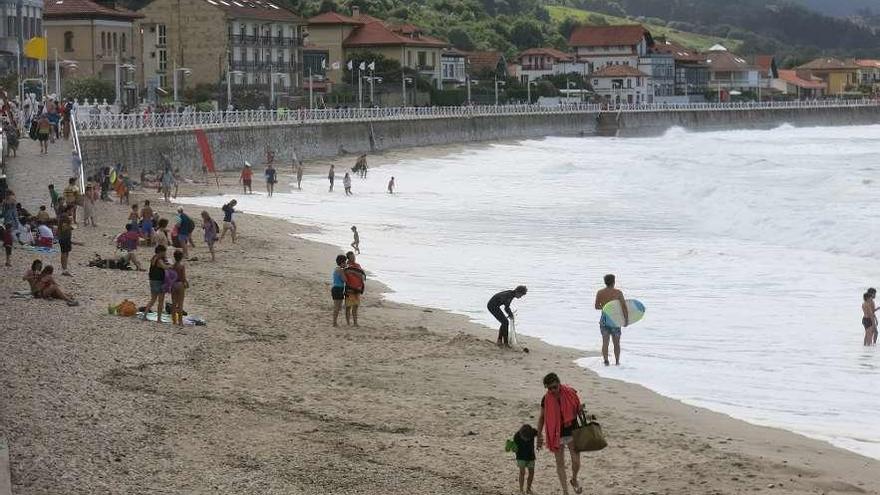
x: 31, y: 276
x: 355, y: 283
x: 46, y: 288
x: 524, y: 439
x: 156, y: 276
x: 45, y: 236
x: 504, y: 298
x: 559, y: 409
x: 337, y: 290
x: 606, y: 326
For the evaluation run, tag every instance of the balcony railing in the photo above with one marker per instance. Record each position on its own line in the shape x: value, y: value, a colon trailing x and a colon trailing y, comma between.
x: 254, y: 66
x: 278, y: 41
x: 426, y: 68
x: 538, y: 67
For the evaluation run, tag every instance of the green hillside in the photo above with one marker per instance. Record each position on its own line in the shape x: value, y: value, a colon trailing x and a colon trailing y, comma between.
x: 692, y: 40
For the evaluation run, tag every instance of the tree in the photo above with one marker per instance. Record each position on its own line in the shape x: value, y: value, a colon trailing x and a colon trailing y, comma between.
x: 526, y: 34
x: 89, y: 88
x: 460, y: 39
x: 328, y: 6
x: 567, y: 26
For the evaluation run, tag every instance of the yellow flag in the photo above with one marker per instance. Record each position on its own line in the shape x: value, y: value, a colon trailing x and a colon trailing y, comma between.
x: 37, y: 48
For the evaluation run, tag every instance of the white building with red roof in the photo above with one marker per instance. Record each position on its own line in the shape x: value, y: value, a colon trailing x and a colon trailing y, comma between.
x: 536, y: 63
x: 621, y: 84
x: 800, y: 84
x: 603, y: 46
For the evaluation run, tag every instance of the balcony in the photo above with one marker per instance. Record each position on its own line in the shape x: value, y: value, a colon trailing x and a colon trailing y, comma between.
x: 425, y: 68
x: 547, y: 67
x: 253, y: 66
x: 270, y: 41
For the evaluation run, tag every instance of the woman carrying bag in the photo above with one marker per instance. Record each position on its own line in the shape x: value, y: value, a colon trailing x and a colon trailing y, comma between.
x: 559, y: 413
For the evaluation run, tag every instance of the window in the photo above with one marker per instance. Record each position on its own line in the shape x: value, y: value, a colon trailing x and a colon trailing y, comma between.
x: 409, y: 59
x: 124, y: 49
x: 423, y: 59
x: 163, y: 81
x: 161, y: 35
x: 68, y: 41
x: 163, y: 60
x: 103, y: 42
x: 114, y: 43
x: 433, y: 59
x: 629, y: 83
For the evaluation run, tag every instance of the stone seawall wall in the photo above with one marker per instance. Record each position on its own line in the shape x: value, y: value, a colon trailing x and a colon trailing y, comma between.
x: 232, y: 146
x: 656, y: 123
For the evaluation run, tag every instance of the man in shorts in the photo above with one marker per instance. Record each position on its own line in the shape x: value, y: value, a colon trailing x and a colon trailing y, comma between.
x: 184, y: 231
x: 606, y: 326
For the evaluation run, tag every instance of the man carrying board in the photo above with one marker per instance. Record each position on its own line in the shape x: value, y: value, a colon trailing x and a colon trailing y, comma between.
x: 606, y: 326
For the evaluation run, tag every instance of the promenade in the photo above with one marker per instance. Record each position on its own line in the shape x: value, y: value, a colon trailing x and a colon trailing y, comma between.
x: 30, y: 173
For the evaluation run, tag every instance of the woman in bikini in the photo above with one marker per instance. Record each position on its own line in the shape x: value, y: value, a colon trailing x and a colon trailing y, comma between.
x: 178, y: 290
x: 869, y: 321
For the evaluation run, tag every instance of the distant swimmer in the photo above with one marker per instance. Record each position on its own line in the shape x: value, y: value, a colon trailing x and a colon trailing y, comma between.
x: 331, y: 176
x: 391, y: 186
x: 504, y: 298
x: 869, y: 319
x: 606, y: 327
x: 356, y: 243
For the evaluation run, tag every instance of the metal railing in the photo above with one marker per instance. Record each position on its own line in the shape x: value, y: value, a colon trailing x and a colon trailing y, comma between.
x: 98, y: 123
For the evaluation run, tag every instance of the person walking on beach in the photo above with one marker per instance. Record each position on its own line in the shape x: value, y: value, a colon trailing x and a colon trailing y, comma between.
x: 65, y: 243
x: 391, y: 186
x: 6, y: 235
x: 559, y: 409
x: 72, y: 196
x: 346, y: 182
x: 147, y: 222
x: 184, y: 231
x: 228, y: 222
x: 88, y: 204
x: 246, y: 177
x: 355, y: 283
x: 299, y: 175
x: 869, y: 319
x: 271, y: 179
x: 337, y: 290
x: 211, y: 232
x: 524, y: 440
x: 356, y: 243
x: 503, y: 299
x: 331, y: 176
x: 156, y: 275
x: 75, y: 163
x: 606, y: 326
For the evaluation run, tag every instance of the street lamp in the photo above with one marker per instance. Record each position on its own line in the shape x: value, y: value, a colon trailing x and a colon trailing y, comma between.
x: 272, y: 86
x: 371, y: 80
x: 404, y: 82
x: 497, y: 82
x: 229, y: 74
x: 529, y: 85
x: 186, y: 71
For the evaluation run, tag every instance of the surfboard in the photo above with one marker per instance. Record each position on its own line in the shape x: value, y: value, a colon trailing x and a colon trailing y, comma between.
x: 511, y: 333
x: 613, y: 311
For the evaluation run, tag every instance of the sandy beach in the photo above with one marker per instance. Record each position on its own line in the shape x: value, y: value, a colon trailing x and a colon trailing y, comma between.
x: 269, y: 398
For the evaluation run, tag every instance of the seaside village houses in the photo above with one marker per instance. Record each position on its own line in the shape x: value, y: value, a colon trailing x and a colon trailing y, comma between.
x: 196, y: 42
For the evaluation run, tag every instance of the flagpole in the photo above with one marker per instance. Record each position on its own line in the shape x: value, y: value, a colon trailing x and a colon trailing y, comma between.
x: 372, y: 102
x: 360, y: 89
x: 311, y: 97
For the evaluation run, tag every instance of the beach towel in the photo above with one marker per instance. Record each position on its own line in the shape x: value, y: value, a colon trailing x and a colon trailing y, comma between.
x: 354, y: 278
x: 558, y: 410
x: 40, y: 249
x: 22, y: 294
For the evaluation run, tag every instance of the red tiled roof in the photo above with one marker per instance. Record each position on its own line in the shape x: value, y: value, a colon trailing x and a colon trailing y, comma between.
x: 377, y: 33
x: 609, y: 35
x: 549, y: 52
x: 868, y: 63
x: 263, y: 10
x: 678, y: 52
x: 85, y: 9
x: 792, y: 77
x: 618, y: 71
x: 727, y: 62
x: 333, y: 18
x: 828, y: 63
x: 484, y: 61
x: 764, y: 62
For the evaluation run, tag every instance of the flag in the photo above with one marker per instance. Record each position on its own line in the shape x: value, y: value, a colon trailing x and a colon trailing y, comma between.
x: 363, y: 66
x: 350, y: 65
x: 323, y: 64
x: 335, y: 66
x: 372, y: 65
x: 37, y: 48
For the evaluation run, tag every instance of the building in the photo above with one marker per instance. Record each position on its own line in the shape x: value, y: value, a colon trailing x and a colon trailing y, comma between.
x: 20, y: 20
x: 603, y: 46
x: 341, y: 35
x: 199, y: 40
x: 620, y: 83
x: 691, y: 71
x: 869, y: 72
x: 453, y: 68
x: 799, y: 84
x: 96, y: 36
x: 729, y: 72
x: 767, y: 72
x: 660, y: 70
x: 839, y: 76
x: 536, y: 63
x: 487, y: 65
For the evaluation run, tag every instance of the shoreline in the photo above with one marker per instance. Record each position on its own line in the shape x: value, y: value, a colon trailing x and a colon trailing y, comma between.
x: 268, y: 398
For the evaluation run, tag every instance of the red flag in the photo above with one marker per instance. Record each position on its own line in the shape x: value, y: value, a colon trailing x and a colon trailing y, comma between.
x: 205, y: 148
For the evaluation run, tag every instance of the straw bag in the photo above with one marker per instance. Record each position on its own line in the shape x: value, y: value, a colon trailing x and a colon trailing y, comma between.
x: 588, y: 436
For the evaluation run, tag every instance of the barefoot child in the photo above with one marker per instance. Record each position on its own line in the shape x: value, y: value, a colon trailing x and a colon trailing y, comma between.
x: 524, y: 441
x: 356, y: 243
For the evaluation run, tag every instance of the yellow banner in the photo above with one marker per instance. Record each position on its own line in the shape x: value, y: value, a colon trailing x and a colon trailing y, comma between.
x: 37, y: 48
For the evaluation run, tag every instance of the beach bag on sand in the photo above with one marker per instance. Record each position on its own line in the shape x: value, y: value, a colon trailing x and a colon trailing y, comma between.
x: 588, y: 436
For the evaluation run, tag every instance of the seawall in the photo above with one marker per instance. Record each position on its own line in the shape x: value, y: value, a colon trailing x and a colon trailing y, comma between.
x: 231, y: 146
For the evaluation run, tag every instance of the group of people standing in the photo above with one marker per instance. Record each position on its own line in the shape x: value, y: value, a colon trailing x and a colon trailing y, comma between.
x: 348, y: 282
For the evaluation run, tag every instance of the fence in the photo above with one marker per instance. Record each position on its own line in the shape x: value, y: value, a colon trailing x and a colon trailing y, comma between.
x: 96, y: 122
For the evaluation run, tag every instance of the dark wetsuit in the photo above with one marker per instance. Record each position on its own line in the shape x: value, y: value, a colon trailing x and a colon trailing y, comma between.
x: 503, y: 298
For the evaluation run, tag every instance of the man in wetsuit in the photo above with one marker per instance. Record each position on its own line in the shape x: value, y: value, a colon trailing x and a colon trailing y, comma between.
x: 504, y: 298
